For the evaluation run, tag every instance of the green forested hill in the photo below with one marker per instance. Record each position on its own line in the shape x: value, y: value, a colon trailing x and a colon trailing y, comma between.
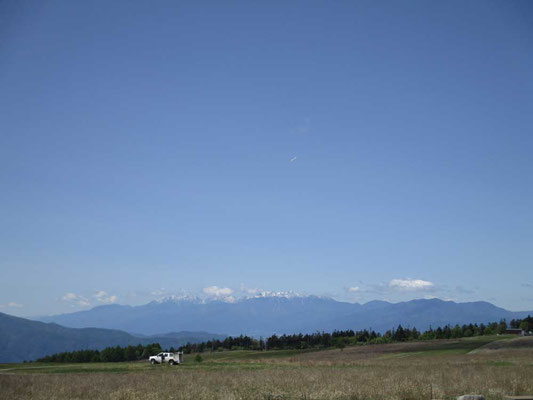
x: 23, y: 339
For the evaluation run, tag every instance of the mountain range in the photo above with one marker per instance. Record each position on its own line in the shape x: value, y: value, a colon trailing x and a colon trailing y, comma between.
x: 264, y: 316
x: 23, y: 339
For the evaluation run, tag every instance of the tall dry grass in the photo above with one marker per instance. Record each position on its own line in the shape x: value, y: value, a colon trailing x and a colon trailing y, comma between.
x: 322, y: 375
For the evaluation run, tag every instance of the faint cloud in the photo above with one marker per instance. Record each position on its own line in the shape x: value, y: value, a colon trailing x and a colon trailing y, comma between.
x: 215, y: 291
x: 161, y: 292
x: 303, y: 127
x: 411, y: 284
x: 463, y: 290
x: 294, y: 159
x: 75, y: 299
x: 11, y: 304
x: 354, y: 289
x: 246, y: 291
x: 102, y: 297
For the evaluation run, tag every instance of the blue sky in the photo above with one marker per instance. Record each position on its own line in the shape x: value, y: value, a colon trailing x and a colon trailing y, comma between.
x: 355, y: 149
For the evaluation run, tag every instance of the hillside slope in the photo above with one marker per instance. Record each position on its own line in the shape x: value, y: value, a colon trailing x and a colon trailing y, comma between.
x: 23, y: 339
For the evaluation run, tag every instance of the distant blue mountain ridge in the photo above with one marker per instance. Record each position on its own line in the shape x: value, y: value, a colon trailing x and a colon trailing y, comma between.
x: 264, y: 316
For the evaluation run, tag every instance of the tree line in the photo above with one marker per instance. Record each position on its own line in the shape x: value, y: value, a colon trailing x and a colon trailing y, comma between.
x: 525, y: 324
x: 109, y: 354
x: 318, y: 340
x: 342, y: 338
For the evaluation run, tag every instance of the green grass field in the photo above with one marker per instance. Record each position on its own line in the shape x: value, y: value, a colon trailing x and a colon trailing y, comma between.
x: 414, y: 370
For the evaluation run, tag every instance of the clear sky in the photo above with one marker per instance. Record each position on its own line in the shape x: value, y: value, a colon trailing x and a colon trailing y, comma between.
x: 355, y: 149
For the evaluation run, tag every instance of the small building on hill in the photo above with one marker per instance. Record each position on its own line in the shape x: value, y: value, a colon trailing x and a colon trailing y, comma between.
x: 515, y: 331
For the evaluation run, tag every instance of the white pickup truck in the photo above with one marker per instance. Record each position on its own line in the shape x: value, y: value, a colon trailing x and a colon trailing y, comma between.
x: 166, y: 357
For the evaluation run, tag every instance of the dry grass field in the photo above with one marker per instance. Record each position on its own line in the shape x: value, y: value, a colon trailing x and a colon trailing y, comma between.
x: 493, y: 367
